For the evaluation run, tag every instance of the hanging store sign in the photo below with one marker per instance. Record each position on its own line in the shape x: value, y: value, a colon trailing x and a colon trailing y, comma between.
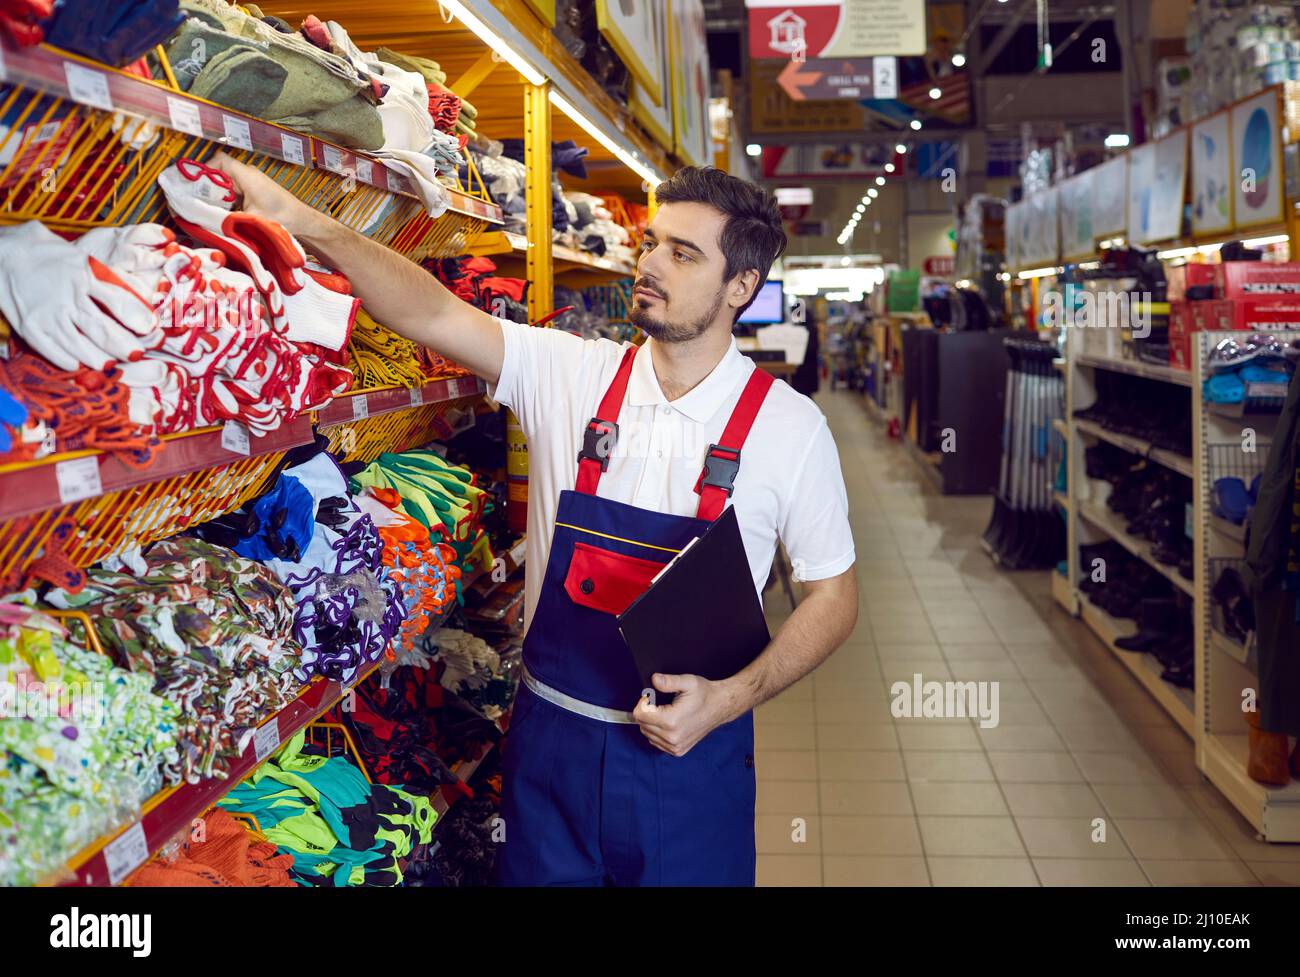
x: 836, y: 28
x: 825, y: 159
x: 772, y: 112
x: 830, y: 78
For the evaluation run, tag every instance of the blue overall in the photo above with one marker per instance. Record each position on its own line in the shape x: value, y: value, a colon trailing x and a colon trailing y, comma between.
x: 591, y: 802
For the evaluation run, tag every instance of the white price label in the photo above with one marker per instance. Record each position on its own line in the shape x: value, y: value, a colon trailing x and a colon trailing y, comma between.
x: 78, y: 479
x: 266, y: 739
x: 4, y: 73
x: 365, y: 170
x: 125, y: 853
x: 360, y: 407
x: 185, y: 116
x: 237, y: 132
x: 88, y: 86
x: 291, y: 149
x: 417, y: 396
x: 334, y: 159
x: 234, y: 437
x: 453, y: 388
x: 518, y: 551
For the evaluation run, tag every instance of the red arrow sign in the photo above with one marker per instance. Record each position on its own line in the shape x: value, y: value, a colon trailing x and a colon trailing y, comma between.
x: 793, y: 80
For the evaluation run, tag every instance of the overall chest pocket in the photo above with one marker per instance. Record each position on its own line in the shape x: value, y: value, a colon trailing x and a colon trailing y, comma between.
x: 606, y: 581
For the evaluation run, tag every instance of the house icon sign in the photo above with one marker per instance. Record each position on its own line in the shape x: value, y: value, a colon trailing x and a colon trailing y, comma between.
x: 787, y: 32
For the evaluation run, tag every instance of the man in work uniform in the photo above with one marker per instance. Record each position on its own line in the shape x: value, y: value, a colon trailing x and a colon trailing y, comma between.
x: 602, y: 785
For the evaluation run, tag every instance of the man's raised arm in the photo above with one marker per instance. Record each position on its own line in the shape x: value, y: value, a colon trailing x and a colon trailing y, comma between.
x: 396, y: 292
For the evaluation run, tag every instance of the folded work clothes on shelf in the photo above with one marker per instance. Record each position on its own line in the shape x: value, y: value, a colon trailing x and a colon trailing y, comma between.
x: 340, y: 829
x: 214, y: 633
x: 347, y: 609
x: 425, y: 571
x: 112, y: 33
x: 225, y: 853
x: 229, y: 57
x: 82, y: 744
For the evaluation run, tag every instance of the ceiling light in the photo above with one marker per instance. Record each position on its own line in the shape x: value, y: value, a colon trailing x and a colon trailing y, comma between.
x: 486, y: 35
x: 846, y: 261
x: 900, y: 148
x: 889, y: 167
x: 861, y: 208
x: 873, y: 193
x: 866, y: 198
x: 880, y: 181
x: 754, y: 149
x: 958, y: 60
x: 936, y: 93
x: 637, y: 166
x: 1117, y: 140
x: 915, y: 124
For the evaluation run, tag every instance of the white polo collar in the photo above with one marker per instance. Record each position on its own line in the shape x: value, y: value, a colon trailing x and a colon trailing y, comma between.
x: 707, y: 397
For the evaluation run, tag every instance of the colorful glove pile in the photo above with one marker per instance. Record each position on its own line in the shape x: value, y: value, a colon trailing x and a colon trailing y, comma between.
x: 441, y: 497
x: 473, y: 670
x: 213, y: 632
x: 425, y: 572
x: 381, y: 357
x: 340, y: 829
x: 226, y: 854
x: 81, y: 744
x: 347, y: 610
x: 474, y: 280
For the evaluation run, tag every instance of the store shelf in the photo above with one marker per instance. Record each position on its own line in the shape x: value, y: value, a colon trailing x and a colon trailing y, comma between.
x: 1064, y: 594
x: 1273, y: 811
x: 1178, y: 702
x: 463, y: 771
x: 33, y: 487
x: 1061, y: 426
x: 1238, y: 411
x: 1171, y: 460
x: 385, y: 400
x: 1107, y: 523
x: 1166, y: 374
x: 174, y: 809
x: 1234, y: 533
x: 97, y: 86
x: 1061, y: 499
x: 1243, y: 654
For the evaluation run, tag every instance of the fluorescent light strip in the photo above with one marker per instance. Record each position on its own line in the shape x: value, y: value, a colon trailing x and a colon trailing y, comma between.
x: 1040, y: 272
x: 637, y: 166
x: 1260, y: 242
x: 488, y: 37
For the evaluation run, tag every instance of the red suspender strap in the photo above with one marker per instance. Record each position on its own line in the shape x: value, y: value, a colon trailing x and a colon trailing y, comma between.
x: 601, y: 434
x: 722, y: 462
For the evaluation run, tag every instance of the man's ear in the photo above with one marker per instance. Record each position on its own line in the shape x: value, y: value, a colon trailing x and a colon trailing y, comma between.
x: 740, y: 288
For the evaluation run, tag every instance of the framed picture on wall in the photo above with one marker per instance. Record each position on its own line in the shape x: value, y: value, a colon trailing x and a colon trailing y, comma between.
x: 1075, y: 211
x: 690, y: 75
x: 1168, y: 188
x: 628, y: 25
x: 1212, y: 174
x: 1110, y: 197
x: 1257, y: 177
x: 1141, y: 183
x: 656, y: 114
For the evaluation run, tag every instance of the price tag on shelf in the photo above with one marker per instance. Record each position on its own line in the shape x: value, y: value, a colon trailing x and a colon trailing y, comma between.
x: 125, y: 853
x: 266, y: 739
x: 518, y: 550
x: 417, y: 396
x: 185, y: 115
x: 88, y: 86
x: 360, y: 407
x: 234, y: 437
x: 78, y: 479
x: 365, y: 170
x: 237, y: 132
x: 334, y: 159
x: 291, y: 148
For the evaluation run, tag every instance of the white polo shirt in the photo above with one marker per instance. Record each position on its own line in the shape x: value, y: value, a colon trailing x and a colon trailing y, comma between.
x: 789, y: 486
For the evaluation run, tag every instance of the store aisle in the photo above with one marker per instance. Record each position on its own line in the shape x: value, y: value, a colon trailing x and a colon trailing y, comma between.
x: 849, y: 795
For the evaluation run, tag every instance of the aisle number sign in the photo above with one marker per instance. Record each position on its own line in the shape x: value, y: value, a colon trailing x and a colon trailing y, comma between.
x: 835, y: 28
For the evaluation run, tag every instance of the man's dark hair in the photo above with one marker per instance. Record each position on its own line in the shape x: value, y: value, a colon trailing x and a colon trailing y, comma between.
x: 752, y: 237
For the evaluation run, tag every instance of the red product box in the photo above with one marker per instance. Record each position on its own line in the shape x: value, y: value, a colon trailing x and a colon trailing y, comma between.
x: 1180, y: 335
x: 1183, y: 277
x: 1257, y: 279
x: 1252, y: 315
x: 1199, y: 313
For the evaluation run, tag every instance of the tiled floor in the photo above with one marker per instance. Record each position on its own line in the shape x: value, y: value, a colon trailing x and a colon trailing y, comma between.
x: 1084, y: 781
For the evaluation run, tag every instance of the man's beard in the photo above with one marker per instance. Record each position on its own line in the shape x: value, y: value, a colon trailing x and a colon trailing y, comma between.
x: 673, y: 332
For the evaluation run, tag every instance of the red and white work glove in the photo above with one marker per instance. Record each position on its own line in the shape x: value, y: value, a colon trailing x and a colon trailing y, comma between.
x: 202, y: 200
x: 70, y: 308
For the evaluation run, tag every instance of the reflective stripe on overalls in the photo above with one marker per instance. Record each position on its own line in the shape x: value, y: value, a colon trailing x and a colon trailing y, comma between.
x: 586, y: 799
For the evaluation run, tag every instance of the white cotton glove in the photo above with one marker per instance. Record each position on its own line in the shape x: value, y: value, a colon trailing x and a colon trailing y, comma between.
x: 71, y: 309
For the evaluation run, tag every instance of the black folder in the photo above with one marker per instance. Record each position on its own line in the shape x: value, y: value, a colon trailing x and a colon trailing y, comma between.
x: 701, y: 615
